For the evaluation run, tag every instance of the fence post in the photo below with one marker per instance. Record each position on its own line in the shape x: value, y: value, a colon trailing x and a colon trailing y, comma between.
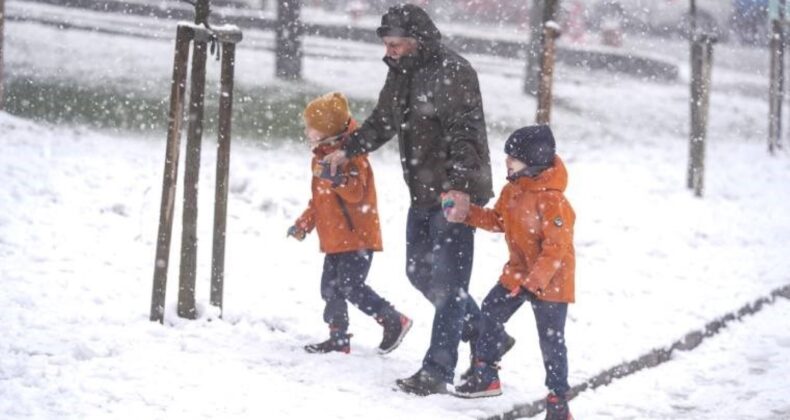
x: 288, y: 55
x: 170, y: 178
x: 777, y: 70
x: 701, y: 65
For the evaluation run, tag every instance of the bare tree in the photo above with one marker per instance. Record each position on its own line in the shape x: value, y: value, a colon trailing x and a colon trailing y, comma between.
x: 289, y: 43
x: 2, y: 78
x: 701, y: 66
x: 541, y: 12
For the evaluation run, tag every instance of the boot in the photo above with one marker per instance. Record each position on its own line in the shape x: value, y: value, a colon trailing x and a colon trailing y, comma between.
x: 396, y: 325
x: 557, y: 408
x: 422, y: 383
x: 338, y: 341
x: 483, y: 382
x: 509, y: 343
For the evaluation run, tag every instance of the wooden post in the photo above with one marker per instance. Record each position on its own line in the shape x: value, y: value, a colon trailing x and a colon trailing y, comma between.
x: 701, y: 65
x: 223, y: 167
x: 186, y: 285
x: 777, y: 75
x: 550, y: 34
x: 170, y: 177
x: 200, y: 34
x: 2, y: 78
x: 288, y: 55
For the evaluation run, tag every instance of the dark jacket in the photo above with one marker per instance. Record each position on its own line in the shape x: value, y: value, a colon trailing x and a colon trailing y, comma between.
x: 432, y: 102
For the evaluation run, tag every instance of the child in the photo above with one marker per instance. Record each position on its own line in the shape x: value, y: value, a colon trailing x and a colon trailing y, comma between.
x: 343, y: 211
x: 537, y: 221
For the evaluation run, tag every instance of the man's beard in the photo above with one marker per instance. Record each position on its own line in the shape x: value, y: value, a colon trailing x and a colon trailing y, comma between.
x: 404, y: 64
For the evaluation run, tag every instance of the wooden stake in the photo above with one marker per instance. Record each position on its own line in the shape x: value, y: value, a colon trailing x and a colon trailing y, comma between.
x: 223, y: 167
x: 170, y: 177
x: 186, y: 284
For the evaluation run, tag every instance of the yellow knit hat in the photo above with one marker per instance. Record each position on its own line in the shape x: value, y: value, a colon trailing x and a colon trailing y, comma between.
x: 328, y: 114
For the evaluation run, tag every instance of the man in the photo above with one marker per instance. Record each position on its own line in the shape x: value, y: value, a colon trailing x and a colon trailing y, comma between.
x: 431, y: 100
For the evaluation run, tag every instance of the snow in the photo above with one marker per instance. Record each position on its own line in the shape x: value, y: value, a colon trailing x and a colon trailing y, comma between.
x: 79, y: 213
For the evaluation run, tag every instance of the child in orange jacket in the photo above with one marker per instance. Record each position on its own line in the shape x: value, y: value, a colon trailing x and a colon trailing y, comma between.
x: 343, y: 211
x: 538, y: 222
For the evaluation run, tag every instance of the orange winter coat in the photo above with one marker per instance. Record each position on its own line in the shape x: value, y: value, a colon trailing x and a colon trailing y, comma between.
x: 538, y: 223
x: 346, y: 217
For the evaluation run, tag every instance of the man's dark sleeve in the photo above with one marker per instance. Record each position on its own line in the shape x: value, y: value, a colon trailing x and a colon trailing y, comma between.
x: 461, y: 113
x: 378, y: 128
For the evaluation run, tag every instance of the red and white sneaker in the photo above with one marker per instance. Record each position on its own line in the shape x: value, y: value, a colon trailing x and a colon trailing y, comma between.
x: 483, y: 382
x: 557, y: 408
x: 395, y: 328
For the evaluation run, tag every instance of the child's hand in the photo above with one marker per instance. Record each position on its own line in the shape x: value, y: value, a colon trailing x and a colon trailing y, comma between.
x: 337, y: 179
x: 522, y: 288
x: 296, y: 233
x: 459, y: 210
x: 447, y: 204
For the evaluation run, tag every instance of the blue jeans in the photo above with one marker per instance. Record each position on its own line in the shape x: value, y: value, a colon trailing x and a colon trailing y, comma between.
x: 497, y: 309
x: 439, y: 258
x: 344, y: 280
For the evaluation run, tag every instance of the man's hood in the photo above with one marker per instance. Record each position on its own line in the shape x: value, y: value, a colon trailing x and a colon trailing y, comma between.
x: 410, y: 21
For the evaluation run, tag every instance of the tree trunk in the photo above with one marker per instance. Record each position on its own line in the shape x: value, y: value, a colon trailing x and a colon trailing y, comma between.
x: 289, y: 42
x: 542, y: 11
x: 701, y: 65
x: 2, y: 77
x: 532, y: 77
x: 550, y: 34
x: 777, y: 75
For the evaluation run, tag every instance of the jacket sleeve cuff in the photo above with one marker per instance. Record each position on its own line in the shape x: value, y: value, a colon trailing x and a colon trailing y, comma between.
x: 356, y: 145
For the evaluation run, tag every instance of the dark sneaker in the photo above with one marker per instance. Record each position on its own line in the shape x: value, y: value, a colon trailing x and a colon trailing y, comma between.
x: 395, y: 328
x: 557, y: 408
x: 509, y: 343
x: 422, y: 383
x: 337, y: 342
x: 484, y: 382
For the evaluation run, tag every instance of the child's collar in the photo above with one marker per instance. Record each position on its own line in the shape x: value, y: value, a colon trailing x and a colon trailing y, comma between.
x: 330, y: 144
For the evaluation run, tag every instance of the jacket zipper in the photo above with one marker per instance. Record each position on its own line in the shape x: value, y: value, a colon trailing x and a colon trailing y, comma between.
x: 346, y: 214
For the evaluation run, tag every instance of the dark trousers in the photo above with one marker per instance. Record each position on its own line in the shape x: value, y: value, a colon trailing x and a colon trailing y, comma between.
x: 497, y: 309
x: 439, y: 264
x: 344, y: 280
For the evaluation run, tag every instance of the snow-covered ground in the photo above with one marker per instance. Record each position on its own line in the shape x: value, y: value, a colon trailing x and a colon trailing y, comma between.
x: 79, y: 212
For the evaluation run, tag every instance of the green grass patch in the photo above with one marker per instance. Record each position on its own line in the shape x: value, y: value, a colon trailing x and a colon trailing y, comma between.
x: 267, y: 113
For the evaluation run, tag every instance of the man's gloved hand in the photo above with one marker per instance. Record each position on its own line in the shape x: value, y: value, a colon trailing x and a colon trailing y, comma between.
x: 297, y: 233
x: 335, y: 160
x: 337, y: 179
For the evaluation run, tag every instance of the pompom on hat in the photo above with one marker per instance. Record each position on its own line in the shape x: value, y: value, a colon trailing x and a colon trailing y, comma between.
x: 328, y: 114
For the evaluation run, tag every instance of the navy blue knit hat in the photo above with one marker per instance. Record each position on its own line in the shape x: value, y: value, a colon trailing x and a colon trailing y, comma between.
x: 533, y: 145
